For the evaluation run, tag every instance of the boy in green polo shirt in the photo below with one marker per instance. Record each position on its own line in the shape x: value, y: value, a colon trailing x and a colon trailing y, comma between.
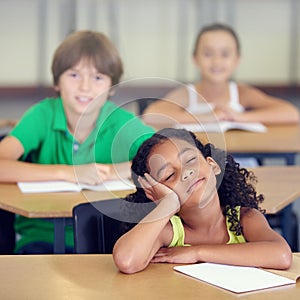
x: 79, y: 127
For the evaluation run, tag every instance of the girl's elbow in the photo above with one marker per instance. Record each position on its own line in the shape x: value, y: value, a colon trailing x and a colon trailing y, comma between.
x: 125, y: 263
x: 286, y: 260
x: 282, y: 258
x: 294, y: 116
x: 124, y: 266
x: 297, y: 118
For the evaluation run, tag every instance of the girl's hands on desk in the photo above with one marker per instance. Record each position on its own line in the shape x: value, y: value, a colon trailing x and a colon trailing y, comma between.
x: 219, y: 114
x: 226, y: 113
x: 182, y: 254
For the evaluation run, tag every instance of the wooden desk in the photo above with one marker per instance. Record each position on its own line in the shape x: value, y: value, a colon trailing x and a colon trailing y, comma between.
x: 96, y: 277
x: 48, y: 205
x: 55, y: 206
x: 280, y: 185
x: 279, y: 141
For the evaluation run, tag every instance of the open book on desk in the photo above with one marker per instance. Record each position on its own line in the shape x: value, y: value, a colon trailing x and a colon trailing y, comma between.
x: 242, y: 279
x: 223, y: 126
x: 64, y: 186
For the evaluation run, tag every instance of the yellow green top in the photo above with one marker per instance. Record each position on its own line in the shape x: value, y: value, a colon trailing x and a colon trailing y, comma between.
x: 179, y: 236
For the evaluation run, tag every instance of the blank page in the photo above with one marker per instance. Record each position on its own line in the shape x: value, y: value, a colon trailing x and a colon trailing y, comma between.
x: 234, y: 278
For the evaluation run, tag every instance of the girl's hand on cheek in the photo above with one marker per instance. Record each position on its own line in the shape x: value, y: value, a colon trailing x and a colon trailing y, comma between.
x: 155, y: 190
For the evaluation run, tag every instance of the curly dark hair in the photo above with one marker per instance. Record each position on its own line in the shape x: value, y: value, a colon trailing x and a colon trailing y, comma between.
x: 235, y: 185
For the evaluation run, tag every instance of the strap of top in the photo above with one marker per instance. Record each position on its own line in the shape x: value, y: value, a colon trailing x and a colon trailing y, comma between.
x: 196, y: 107
x: 178, y: 232
x: 233, y: 238
x: 234, y: 97
x: 193, y: 99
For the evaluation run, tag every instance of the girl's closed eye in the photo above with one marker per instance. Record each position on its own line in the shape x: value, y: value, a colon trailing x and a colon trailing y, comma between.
x: 168, y: 177
x: 191, y: 160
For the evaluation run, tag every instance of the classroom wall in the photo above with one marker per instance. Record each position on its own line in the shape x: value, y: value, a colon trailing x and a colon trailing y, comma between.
x: 155, y: 38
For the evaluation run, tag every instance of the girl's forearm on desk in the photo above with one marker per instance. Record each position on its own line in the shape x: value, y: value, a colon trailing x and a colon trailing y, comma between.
x: 238, y: 254
x: 134, y: 250
x: 234, y: 254
x: 270, y: 116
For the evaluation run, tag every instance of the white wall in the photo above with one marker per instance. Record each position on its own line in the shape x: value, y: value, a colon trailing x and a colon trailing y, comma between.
x: 155, y: 37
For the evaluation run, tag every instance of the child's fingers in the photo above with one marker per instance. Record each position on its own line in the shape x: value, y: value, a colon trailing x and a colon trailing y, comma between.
x: 103, y: 169
x: 144, y: 183
x: 146, y: 187
x: 147, y: 181
x: 150, y: 179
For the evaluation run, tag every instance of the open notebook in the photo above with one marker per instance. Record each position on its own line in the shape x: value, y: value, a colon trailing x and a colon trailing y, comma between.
x: 241, y: 279
x: 222, y: 126
x: 64, y: 186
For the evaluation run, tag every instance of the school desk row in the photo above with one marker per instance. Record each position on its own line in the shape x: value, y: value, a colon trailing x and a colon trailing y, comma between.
x: 279, y: 184
x: 96, y: 277
x: 279, y: 141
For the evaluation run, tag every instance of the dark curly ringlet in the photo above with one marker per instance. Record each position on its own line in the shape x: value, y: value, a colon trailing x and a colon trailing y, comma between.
x: 235, y: 184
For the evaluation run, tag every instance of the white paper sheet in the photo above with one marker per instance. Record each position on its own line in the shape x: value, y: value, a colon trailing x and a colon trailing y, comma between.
x: 223, y: 126
x: 64, y: 186
x: 234, y: 278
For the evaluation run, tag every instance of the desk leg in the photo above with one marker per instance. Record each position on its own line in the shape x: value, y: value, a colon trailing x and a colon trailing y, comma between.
x: 59, y: 236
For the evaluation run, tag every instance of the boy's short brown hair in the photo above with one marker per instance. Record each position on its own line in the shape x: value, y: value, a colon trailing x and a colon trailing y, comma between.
x: 94, y: 46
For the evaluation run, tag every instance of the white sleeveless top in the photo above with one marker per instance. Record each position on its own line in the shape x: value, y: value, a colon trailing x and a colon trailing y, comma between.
x: 196, y: 107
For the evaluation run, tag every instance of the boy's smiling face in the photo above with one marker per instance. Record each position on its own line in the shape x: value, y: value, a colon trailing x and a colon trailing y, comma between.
x: 83, y: 89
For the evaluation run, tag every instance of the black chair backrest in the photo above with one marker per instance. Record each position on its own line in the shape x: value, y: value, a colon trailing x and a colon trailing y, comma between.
x: 7, y: 232
x: 99, y: 224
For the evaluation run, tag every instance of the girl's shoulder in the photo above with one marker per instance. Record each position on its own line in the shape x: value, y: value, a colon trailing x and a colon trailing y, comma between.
x: 248, y: 93
x: 248, y: 212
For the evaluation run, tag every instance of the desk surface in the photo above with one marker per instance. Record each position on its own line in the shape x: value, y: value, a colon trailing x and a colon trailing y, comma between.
x: 48, y: 205
x: 96, y: 277
x: 277, y: 139
x: 279, y: 184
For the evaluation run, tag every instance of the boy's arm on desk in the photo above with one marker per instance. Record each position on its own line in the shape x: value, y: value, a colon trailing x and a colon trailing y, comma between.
x: 14, y: 170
